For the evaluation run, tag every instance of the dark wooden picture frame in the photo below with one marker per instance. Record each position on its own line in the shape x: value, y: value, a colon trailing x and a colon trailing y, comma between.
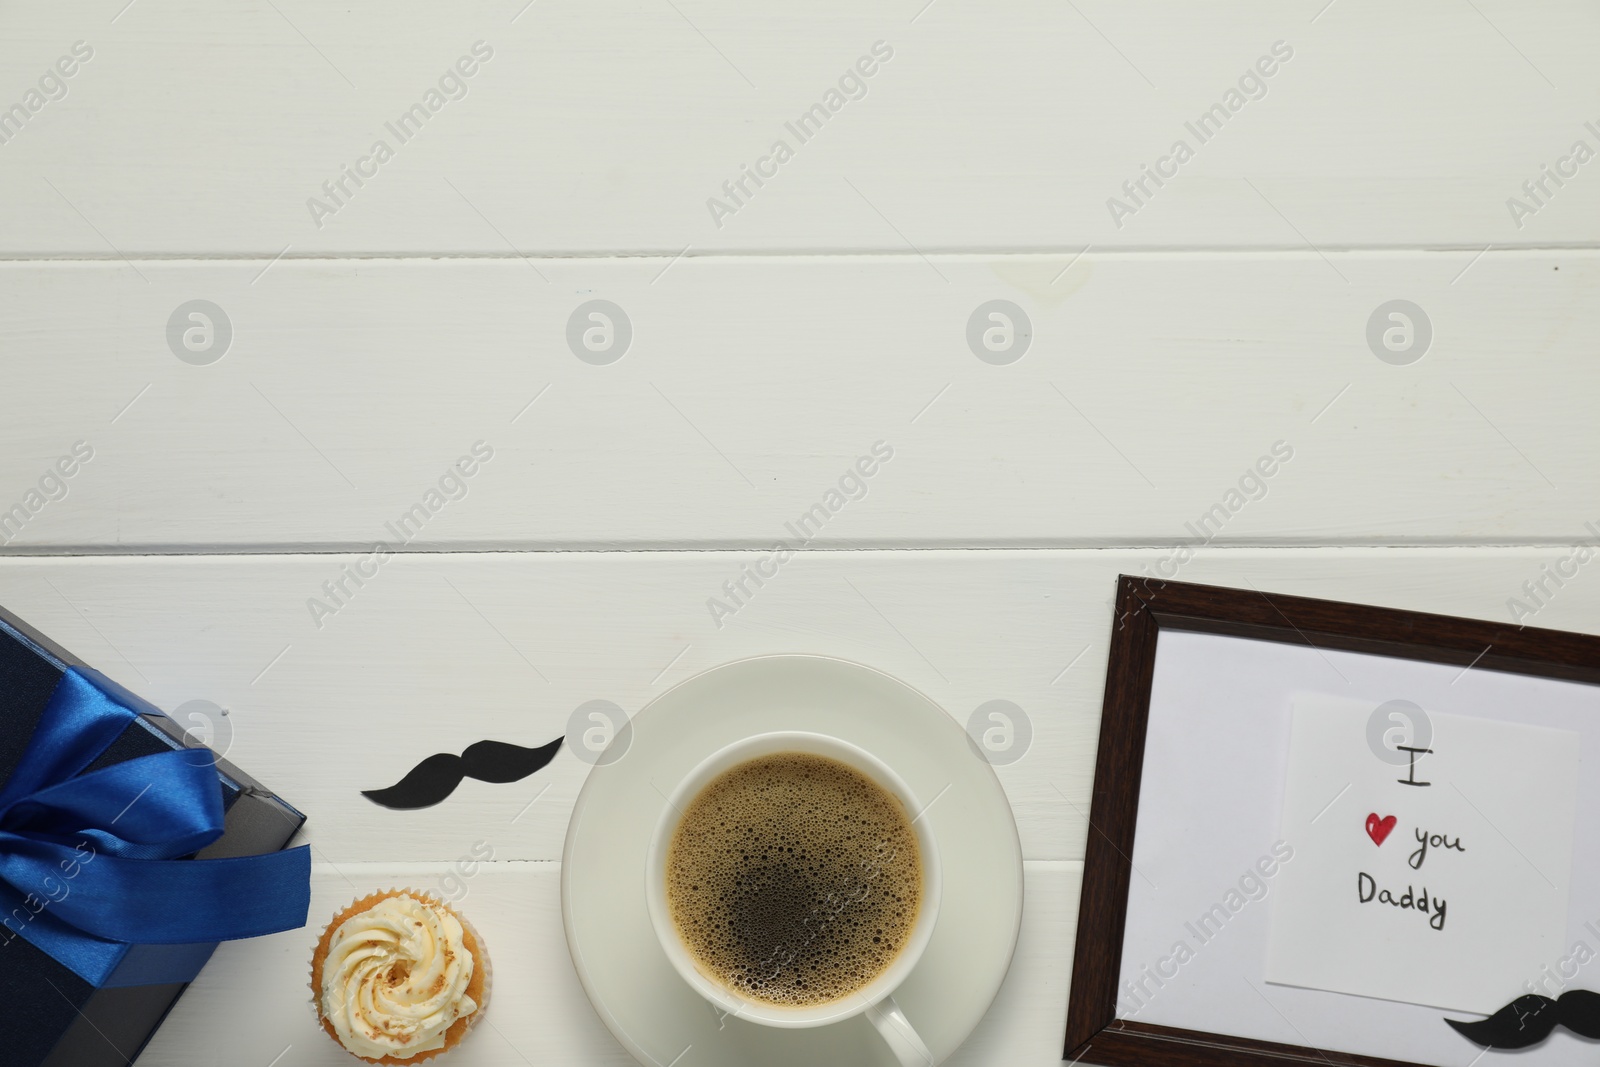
x: 1146, y: 607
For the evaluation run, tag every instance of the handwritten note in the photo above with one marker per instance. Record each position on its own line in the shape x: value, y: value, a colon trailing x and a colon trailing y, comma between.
x: 1432, y: 854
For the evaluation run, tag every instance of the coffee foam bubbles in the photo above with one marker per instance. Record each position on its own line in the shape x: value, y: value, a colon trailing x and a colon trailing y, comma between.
x: 794, y: 879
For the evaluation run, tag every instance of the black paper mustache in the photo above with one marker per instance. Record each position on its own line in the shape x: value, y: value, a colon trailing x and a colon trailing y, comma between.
x: 436, y: 777
x: 1530, y: 1019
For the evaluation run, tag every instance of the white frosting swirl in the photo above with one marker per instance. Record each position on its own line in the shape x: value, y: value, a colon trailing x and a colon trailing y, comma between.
x: 396, y: 978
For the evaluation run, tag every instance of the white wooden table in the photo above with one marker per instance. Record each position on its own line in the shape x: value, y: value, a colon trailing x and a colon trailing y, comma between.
x: 378, y: 337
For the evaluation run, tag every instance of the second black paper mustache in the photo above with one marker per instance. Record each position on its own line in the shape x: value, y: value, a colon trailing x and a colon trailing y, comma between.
x: 436, y: 777
x: 1530, y: 1019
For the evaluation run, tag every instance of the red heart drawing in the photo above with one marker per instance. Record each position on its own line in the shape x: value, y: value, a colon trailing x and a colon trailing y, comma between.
x: 1378, y: 829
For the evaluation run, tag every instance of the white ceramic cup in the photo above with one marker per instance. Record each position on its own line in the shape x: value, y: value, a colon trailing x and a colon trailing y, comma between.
x: 876, y: 998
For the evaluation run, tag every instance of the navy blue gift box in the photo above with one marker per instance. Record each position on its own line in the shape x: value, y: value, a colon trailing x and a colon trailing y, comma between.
x: 76, y: 999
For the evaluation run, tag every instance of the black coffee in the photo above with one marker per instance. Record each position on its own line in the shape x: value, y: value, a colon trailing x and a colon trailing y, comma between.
x: 794, y: 879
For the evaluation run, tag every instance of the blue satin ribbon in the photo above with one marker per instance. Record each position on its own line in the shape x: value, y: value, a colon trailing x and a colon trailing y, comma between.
x: 92, y: 859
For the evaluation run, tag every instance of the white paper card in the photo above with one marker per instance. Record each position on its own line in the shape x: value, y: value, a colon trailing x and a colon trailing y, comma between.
x: 1450, y: 894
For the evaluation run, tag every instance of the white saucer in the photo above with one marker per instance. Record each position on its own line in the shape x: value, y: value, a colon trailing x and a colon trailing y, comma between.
x: 638, y: 995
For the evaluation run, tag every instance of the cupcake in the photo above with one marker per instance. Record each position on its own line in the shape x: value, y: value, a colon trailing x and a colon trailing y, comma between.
x: 398, y: 977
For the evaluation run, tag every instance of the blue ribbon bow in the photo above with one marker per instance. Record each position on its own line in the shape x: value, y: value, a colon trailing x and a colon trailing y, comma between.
x: 90, y: 861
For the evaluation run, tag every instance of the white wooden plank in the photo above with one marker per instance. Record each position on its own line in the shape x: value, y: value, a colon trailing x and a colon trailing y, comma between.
x: 607, y: 127
x: 443, y: 650
x: 1153, y: 384
x: 252, y: 1002
x: 827, y: 313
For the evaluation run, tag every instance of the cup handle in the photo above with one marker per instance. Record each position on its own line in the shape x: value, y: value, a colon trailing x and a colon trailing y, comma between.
x: 898, y: 1032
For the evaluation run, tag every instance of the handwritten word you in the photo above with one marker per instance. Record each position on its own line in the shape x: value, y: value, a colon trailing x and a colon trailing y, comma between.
x: 1426, y: 841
